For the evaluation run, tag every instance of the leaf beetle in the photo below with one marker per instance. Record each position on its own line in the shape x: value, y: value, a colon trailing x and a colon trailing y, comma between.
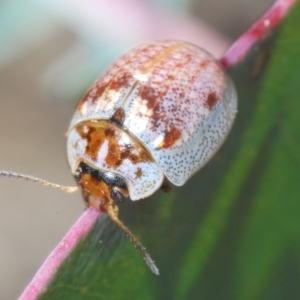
x: 161, y: 110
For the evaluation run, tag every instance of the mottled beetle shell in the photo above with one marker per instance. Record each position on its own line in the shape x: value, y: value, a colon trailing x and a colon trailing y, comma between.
x: 179, y: 105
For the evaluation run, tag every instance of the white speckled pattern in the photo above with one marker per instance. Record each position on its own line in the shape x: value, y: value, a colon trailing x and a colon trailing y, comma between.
x: 177, y: 100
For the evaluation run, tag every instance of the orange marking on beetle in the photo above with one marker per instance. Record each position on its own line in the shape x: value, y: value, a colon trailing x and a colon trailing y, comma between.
x: 113, y: 157
x: 94, y: 141
x: 211, y: 100
x: 96, y: 133
x: 96, y: 187
x: 138, y: 173
x: 170, y: 138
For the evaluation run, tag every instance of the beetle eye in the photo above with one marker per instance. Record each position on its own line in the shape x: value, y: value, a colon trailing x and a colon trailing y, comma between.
x: 78, y: 174
x: 117, y: 196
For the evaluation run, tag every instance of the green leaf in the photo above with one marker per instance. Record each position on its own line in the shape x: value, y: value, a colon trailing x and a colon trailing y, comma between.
x: 273, y: 226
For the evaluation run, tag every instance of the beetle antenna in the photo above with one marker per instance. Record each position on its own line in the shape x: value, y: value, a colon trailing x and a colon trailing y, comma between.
x: 149, y: 261
x: 68, y: 189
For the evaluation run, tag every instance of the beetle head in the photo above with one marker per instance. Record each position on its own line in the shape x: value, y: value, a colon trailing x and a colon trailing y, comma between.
x: 100, y: 189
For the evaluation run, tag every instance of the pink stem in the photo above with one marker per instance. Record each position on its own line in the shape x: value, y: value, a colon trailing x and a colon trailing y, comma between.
x: 258, y: 31
x: 46, y: 272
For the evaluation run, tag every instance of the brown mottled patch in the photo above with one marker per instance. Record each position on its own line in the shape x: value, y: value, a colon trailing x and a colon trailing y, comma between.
x: 96, y: 90
x: 138, y: 173
x: 204, y: 63
x: 118, y: 151
x: 150, y: 95
x: 96, y: 133
x: 99, y: 87
x: 154, y: 92
x: 170, y: 138
x: 122, y: 80
x: 109, y: 132
x: 171, y: 77
x: 94, y: 140
x: 211, y: 100
x: 152, y: 99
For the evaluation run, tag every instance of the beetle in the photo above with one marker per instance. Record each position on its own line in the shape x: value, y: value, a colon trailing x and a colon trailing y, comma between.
x: 160, y: 111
